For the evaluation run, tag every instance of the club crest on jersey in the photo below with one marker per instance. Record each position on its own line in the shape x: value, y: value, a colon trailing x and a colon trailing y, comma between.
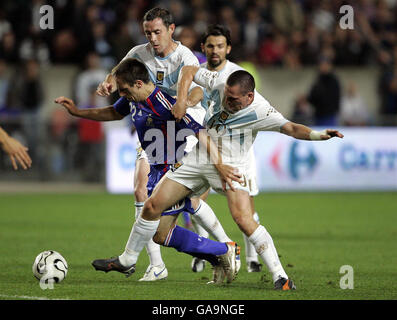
x: 160, y: 77
x: 223, y: 116
x: 149, y: 122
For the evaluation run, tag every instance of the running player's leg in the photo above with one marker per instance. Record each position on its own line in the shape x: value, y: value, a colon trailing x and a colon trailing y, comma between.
x: 199, y: 229
x: 142, y: 169
x: 238, y: 202
x: 206, y: 222
x: 251, y: 256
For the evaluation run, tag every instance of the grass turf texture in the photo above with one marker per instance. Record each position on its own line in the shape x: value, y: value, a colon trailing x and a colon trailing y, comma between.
x: 315, y: 234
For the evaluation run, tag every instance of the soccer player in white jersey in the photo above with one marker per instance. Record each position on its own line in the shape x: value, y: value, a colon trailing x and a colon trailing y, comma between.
x: 216, y: 45
x: 234, y: 124
x: 164, y: 58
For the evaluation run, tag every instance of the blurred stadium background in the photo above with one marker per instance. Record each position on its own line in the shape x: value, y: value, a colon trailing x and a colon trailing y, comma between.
x: 289, y: 45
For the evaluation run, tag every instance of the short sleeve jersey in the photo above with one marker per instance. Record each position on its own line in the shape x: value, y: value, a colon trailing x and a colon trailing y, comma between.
x: 162, y: 138
x: 164, y: 72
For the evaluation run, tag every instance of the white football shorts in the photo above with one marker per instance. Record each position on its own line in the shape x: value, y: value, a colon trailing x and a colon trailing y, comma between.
x: 251, y: 173
x: 198, y: 177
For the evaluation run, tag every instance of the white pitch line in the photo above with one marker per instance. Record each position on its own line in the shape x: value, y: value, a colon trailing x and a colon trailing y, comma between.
x: 28, y: 297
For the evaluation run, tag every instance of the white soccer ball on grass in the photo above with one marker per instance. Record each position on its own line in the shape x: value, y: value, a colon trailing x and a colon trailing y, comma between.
x: 49, y: 267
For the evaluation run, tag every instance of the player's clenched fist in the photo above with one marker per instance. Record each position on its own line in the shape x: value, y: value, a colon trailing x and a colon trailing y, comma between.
x: 104, y: 89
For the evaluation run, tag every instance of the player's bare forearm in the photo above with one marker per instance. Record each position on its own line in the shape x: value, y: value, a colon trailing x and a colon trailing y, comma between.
x: 195, y: 96
x: 187, y: 75
x: 206, y: 142
x: 98, y: 114
x: 302, y: 132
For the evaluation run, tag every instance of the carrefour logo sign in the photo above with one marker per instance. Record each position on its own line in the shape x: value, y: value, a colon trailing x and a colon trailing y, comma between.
x: 352, y: 157
x: 301, y: 160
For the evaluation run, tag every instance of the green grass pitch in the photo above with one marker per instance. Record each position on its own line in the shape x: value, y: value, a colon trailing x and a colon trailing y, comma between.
x: 315, y: 234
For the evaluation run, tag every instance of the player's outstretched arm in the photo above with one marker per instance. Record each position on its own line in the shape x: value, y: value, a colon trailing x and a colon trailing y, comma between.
x: 17, y: 152
x: 300, y: 131
x: 227, y: 173
x: 97, y: 114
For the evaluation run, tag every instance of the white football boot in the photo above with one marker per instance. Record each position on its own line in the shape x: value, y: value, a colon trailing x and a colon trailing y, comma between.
x: 154, y: 273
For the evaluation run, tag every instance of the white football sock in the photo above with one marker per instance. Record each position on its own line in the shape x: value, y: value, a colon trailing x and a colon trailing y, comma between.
x: 250, y: 251
x: 264, y: 245
x: 199, y: 229
x: 152, y: 248
x: 154, y: 253
x: 142, y: 232
x: 138, y: 209
x: 205, y: 217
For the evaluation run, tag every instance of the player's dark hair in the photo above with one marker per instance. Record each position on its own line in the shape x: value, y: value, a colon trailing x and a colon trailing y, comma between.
x: 217, y: 30
x: 130, y: 70
x: 161, y: 13
x: 242, y: 78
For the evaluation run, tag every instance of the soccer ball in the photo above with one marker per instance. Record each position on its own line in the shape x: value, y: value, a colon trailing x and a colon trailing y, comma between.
x: 50, y: 266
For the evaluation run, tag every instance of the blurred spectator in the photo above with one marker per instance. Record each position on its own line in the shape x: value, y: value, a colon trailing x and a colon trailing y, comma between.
x: 65, y: 47
x: 134, y: 26
x: 9, y: 48
x: 325, y: 95
x: 201, y: 19
x: 227, y: 17
x: 354, y: 111
x: 302, y: 111
x: 122, y: 42
x: 4, y: 85
x: 181, y: 12
x: 323, y: 17
x: 350, y: 47
x: 90, y: 77
x: 254, y: 30
x: 387, y: 88
x: 90, y: 149
x: 273, y: 50
x: 188, y: 37
x: 33, y: 47
x: 287, y: 16
x: 27, y: 95
x: 102, y: 46
x: 5, y: 25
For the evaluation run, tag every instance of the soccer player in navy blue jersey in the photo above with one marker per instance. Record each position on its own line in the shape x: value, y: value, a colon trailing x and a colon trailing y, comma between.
x: 163, y: 140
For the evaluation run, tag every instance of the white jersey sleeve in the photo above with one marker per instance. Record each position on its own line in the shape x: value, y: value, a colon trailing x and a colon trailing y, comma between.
x: 268, y: 118
x: 205, y: 78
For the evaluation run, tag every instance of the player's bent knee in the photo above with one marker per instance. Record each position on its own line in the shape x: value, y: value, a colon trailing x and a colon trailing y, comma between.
x: 149, y: 211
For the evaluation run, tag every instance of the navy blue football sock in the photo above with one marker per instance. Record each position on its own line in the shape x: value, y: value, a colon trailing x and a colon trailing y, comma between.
x: 191, y: 243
